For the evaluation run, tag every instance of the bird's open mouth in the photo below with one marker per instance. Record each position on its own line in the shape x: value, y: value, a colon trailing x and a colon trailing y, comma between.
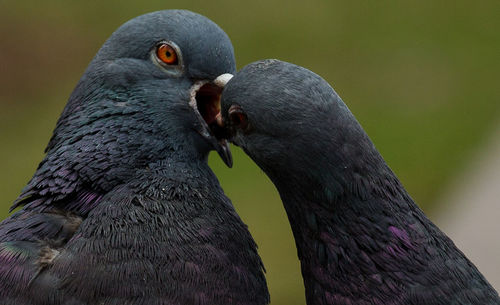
x: 205, y: 100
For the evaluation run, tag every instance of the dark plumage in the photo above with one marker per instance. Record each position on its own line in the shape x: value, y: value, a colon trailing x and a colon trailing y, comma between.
x: 124, y: 209
x: 360, y: 237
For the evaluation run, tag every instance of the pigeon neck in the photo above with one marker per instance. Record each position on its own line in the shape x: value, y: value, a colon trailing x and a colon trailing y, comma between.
x: 332, y: 220
x: 76, y: 180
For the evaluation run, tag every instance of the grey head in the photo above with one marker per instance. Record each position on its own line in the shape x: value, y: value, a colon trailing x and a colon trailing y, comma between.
x: 128, y: 70
x: 292, y: 123
x: 149, y: 94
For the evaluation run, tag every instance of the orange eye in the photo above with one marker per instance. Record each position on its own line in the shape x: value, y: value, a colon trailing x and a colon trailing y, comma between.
x: 167, y: 54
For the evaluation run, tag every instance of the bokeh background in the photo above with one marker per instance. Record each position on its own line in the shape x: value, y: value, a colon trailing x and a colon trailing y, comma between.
x: 422, y: 77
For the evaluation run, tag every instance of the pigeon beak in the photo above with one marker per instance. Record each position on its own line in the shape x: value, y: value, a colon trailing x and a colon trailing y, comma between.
x: 225, y: 153
x: 223, y: 147
x: 205, y: 100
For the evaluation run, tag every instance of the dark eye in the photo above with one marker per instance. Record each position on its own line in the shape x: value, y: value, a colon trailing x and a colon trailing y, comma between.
x: 167, y: 54
x: 238, y: 117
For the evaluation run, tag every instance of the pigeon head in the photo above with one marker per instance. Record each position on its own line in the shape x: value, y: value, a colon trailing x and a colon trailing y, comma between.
x: 191, y: 46
x: 290, y: 121
x: 151, y: 93
x: 350, y: 215
x: 161, y: 67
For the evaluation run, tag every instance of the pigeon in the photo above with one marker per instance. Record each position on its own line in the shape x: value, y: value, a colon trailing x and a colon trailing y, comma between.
x: 360, y: 237
x: 124, y: 209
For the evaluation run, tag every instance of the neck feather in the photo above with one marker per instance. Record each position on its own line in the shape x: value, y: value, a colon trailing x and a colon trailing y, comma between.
x: 340, y: 221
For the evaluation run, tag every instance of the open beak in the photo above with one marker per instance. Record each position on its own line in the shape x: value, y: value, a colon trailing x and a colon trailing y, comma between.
x: 205, y: 100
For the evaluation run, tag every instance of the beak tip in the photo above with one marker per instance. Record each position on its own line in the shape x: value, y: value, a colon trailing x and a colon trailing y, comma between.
x: 223, y: 79
x: 225, y: 153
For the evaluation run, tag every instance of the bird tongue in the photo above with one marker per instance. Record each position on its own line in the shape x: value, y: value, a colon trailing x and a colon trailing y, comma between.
x: 218, y: 119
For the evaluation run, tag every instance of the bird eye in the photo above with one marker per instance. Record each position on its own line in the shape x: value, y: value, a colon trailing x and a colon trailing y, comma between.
x: 238, y: 117
x: 167, y: 54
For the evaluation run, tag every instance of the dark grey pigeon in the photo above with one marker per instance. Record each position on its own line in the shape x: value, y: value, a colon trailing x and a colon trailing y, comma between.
x: 124, y: 209
x: 360, y: 237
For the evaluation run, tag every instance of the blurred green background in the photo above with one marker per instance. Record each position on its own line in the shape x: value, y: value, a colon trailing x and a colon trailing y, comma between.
x: 422, y: 77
